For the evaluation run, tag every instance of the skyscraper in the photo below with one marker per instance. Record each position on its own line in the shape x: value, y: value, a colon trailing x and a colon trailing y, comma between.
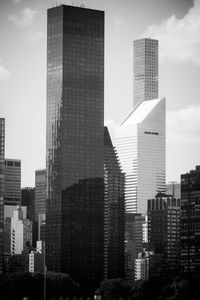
x: 2, y: 157
x: 75, y: 139
x: 114, y: 214
x: 140, y: 142
x: 12, y: 190
x: 190, y: 222
x: 145, y: 69
x: 40, y: 193
x: 164, y: 229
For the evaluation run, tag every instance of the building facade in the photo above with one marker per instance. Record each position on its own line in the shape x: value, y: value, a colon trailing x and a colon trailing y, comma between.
x: 12, y: 193
x: 21, y: 231
x: 75, y: 144
x: 114, y: 212
x: 40, y: 193
x: 164, y: 229
x: 145, y: 70
x: 2, y: 177
x: 190, y: 222
x: 140, y: 142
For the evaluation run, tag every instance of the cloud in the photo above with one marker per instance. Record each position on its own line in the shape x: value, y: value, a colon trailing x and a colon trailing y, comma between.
x: 35, y: 36
x: 4, y: 74
x: 17, y: 1
x: 179, y: 39
x: 183, y: 126
x: 119, y: 21
x: 25, y: 19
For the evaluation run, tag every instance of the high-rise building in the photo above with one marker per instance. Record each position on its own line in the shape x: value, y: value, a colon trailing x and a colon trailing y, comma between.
x: 164, y: 229
x: 145, y: 69
x: 75, y: 144
x: 140, y: 142
x: 114, y: 214
x: 12, y: 193
x: 21, y: 231
x: 173, y: 188
x: 2, y: 157
x: 40, y: 193
x: 134, y: 242
x: 28, y: 200
x: 190, y: 222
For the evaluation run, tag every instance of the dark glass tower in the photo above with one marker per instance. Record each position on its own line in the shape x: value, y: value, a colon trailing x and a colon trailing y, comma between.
x: 75, y: 138
x: 2, y: 153
x: 190, y: 222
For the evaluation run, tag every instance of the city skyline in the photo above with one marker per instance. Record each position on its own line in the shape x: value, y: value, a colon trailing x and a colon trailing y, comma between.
x: 23, y: 67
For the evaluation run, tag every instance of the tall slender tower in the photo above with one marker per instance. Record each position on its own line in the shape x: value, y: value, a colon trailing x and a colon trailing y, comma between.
x: 74, y: 144
x: 145, y: 69
x: 2, y: 158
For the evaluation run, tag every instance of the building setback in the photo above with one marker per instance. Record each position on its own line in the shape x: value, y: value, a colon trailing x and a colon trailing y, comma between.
x: 164, y: 229
x: 75, y: 144
x: 2, y: 157
x: 190, y: 222
x: 114, y: 215
x: 12, y: 193
x: 145, y: 70
x: 140, y: 142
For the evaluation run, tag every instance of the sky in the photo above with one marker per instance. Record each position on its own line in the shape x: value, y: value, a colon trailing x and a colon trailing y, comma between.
x: 175, y: 23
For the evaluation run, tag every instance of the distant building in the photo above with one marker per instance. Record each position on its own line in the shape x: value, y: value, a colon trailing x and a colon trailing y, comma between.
x: 40, y: 193
x: 36, y: 259
x: 133, y: 242
x: 28, y: 200
x: 114, y: 212
x: 164, y: 229
x: 12, y: 193
x: 21, y: 231
x: 190, y: 222
x: 2, y: 177
x: 140, y: 143
x: 148, y: 265
x: 173, y: 188
x: 145, y: 70
x: 41, y: 227
x: 8, y: 214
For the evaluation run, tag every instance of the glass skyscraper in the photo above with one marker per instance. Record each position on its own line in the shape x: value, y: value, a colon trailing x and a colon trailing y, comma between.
x: 2, y: 157
x: 145, y: 69
x: 74, y: 145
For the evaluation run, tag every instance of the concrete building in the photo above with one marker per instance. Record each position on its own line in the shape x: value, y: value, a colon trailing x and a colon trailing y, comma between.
x: 164, y: 229
x: 140, y: 142
x: 12, y: 193
x: 2, y: 177
x: 148, y: 265
x: 145, y: 70
x: 21, y: 231
x: 190, y: 222
x: 173, y: 188
x: 75, y: 144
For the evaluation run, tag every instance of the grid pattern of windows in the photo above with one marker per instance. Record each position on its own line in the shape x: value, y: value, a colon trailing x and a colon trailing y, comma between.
x: 12, y: 192
x: 190, y: 222
x: 164, y: 229
x: 2, y: 153
x: 75, y: 112
x: 145, y: 70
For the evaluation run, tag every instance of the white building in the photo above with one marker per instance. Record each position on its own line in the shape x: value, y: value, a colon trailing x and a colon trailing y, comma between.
x: 21, y: 231
x: 140, y: 143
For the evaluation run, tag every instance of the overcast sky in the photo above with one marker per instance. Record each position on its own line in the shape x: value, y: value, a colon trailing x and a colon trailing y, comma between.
x: 176, y: 23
